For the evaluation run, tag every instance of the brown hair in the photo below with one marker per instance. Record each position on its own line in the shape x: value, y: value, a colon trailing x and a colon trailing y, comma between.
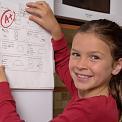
x: 111, y: 33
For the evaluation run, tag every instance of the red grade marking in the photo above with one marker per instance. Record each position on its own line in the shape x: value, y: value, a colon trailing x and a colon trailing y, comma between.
x: 7, y: 18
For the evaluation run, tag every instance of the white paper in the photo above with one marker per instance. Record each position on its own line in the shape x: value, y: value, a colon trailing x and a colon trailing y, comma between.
x: 25, y: 48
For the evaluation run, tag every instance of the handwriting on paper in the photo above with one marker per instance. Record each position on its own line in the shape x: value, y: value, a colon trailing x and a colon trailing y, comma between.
x: 7, y: 18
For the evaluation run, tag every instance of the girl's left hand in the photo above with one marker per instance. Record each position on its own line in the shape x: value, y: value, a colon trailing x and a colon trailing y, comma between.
x: 41, y: 13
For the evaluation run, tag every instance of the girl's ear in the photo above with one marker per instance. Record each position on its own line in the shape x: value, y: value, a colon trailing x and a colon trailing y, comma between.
x: 117, y: 67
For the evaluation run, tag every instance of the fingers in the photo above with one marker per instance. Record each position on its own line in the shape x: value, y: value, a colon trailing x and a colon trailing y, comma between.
x: 43, y: 3
x: 41, y: 13
x: 33, y: 8
x: 38, y: 4
x: 34, y: 11
x: 36, y: 19
x: 39, y: 9
x: 2, y: 67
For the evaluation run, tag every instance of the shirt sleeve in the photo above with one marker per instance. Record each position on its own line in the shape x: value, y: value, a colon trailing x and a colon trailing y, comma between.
x: 7, y: 105
x: 61, y: 56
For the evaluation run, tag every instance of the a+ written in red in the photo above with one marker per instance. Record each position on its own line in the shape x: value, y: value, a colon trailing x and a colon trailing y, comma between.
x: 7, y: 18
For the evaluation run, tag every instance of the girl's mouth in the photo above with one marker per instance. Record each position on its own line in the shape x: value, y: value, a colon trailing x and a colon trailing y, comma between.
x: 83, y: 77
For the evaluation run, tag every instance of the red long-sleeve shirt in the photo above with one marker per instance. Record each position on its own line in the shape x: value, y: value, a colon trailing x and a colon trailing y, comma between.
x: 94, y: 109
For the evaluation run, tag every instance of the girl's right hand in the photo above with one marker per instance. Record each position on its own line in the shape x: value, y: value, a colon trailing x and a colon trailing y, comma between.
x: 42, y: 14
x: 2, y: 74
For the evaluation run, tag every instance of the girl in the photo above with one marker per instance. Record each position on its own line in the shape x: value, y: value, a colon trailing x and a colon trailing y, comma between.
x: 92, y: 71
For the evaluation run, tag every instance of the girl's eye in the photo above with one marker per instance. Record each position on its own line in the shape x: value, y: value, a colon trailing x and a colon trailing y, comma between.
x: 75, y: 54
x: 94, y: 57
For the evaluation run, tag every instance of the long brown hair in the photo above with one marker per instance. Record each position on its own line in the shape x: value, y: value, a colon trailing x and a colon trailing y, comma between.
x: 111, y: 33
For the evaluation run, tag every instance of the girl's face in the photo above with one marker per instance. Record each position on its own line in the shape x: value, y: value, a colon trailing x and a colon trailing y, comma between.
x: 91, y: 64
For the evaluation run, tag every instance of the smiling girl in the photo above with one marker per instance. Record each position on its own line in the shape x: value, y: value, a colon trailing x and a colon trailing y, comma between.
x: 92, y: 71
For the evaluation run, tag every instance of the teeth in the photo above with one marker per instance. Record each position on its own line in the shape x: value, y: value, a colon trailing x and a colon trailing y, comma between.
x: 83, y: 76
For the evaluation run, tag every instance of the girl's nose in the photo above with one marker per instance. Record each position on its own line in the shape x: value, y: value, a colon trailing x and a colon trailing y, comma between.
x: 82, y: 64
